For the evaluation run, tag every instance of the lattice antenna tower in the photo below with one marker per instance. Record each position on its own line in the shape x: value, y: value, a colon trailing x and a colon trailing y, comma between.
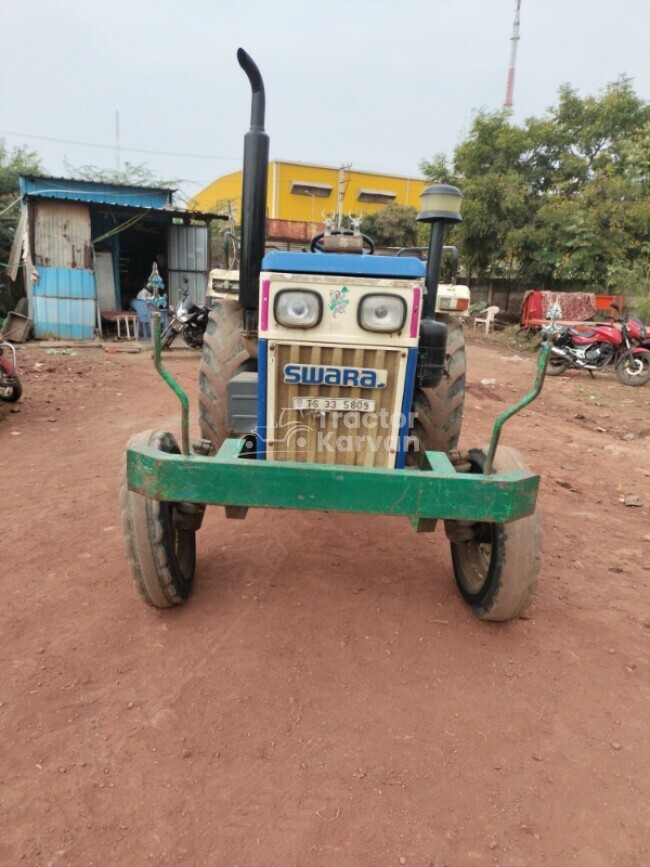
x: 510, y: 87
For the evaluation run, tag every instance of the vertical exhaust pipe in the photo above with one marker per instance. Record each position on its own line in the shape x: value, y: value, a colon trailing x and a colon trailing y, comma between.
x: 256, y: 169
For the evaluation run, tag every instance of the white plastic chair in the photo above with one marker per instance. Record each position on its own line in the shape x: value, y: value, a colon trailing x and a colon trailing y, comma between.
x: 487, y: 318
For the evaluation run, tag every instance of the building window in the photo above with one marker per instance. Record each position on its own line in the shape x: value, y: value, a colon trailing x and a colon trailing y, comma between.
x: 377, y: 197
x: 308, y: 188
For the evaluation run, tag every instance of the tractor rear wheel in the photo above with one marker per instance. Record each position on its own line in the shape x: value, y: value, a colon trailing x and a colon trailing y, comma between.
x: 159, y: 536
x: 439, y: 411
x: 225, y: 354
x: 497, y: 565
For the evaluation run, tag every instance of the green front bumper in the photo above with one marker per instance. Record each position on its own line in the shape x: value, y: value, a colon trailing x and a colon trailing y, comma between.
x: 437, y: 491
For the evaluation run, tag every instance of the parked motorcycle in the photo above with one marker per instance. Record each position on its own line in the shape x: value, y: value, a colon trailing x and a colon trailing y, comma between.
x: 189, y: 320
x: 600, y: 346
x: 10, y: 386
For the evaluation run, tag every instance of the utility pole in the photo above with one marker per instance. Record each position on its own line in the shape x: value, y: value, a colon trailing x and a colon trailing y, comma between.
x: 510, y: 87
x: 341, y: 194
x: 117, y: 141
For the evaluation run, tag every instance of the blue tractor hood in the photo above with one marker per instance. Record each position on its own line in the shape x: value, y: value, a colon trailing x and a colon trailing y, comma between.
x: 345, y: 265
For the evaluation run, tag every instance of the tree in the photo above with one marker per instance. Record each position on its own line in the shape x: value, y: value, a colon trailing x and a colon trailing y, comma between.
x: 135, y: 175
x: 490, y: 168
x: 392, y: 226
x: 13, y: 163
x: 593, y: 214
x: 564, y: 198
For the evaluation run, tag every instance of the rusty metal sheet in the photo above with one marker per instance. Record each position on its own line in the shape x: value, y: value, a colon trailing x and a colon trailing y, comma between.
x: 291, y: 230
x: 62, y: 235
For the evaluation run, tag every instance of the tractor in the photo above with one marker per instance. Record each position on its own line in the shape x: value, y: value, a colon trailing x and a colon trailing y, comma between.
x: 329, y: 382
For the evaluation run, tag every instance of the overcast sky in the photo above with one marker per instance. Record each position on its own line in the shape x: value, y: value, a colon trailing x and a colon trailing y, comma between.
x: 380, y: 84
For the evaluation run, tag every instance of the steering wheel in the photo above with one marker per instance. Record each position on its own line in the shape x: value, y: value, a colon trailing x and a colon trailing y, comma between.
x: 315, y: 247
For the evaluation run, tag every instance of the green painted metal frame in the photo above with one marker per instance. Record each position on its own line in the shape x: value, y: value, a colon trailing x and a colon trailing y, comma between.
x: 542, y: 364
x: 230, y: 479
x: 171, y: 382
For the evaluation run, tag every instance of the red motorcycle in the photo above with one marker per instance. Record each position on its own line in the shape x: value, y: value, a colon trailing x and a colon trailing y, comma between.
x: 601, y: 346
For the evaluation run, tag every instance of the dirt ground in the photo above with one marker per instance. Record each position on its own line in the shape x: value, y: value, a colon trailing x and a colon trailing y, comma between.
x: 324, y: 698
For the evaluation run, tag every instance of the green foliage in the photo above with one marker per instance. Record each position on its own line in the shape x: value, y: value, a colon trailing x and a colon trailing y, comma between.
x: 224, y: 244
x: 564, y: 198
x: 13, y: 163
x: 633, y: 281
x: 135, y: 175
x: 438, y: 171
x: 392, y: 226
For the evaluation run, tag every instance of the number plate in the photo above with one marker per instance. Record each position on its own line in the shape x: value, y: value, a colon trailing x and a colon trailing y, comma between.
x: 326, y: 404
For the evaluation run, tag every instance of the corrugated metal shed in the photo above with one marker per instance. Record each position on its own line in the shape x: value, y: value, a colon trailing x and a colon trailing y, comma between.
x: 67, y: 222
x: 62, y: 235
x: 64, y: 304
x: 91, y: 191
x: 189, y: 254
x: 63, y: 299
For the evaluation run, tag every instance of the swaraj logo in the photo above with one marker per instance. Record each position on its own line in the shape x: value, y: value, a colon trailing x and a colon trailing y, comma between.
x: 319, y: 374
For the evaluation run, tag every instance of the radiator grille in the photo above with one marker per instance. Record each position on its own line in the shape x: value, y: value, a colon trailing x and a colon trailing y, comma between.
x: 351, y: 439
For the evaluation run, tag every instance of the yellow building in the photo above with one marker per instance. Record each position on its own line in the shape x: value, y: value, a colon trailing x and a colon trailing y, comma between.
x: 302, y: 192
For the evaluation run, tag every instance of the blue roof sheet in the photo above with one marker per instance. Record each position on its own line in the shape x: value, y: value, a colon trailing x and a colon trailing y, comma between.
x: 94, y: 191
x: 345, y: 265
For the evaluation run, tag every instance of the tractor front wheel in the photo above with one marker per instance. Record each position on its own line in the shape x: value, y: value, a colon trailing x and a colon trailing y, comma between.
x: 160, y: 537
x: 496, y: 565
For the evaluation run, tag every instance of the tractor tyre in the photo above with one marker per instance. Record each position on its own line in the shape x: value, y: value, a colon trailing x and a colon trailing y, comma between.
x: 160, y: 547
x: 224, y: 355
x: 438, y: 412
x: 496, y: 570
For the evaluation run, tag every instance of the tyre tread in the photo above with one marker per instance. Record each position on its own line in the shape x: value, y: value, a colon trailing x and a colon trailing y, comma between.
x: 519, y: 551
x: 153, y: 571
x: 439, y: 411
x: 224, y: 355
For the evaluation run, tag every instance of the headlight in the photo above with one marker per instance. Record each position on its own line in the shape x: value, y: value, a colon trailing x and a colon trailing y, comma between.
x: 382, y: 312
x: 298, y: 308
